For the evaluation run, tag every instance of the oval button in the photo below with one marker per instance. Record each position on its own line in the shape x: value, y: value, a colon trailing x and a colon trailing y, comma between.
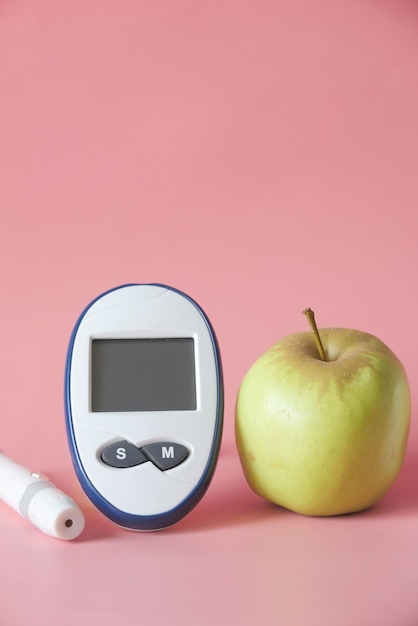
x: 165, y: 454
x: 123, y: 454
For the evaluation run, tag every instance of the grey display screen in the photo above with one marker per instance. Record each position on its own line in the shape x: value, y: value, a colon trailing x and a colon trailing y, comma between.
x: 143, y: 375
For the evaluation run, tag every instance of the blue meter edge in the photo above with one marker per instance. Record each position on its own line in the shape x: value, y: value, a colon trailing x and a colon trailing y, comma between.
x: 173, y: 514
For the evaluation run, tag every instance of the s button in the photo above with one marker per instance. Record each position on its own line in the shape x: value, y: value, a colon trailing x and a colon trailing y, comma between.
x: 123, y: 454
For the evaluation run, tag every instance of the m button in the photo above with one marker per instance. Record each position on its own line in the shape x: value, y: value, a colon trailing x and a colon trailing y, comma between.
x: 165, y: 454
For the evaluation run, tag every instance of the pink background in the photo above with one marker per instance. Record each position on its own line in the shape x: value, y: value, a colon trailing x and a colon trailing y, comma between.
x: 261, y: 156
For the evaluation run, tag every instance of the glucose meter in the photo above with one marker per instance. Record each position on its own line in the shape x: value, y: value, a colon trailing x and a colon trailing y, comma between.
x: 144, y: 404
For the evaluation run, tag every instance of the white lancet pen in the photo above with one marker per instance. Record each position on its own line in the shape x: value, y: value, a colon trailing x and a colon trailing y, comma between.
x: 39, y: 501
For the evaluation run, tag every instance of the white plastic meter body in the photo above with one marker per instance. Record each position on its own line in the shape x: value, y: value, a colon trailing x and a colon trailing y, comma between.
x: 144, y: 404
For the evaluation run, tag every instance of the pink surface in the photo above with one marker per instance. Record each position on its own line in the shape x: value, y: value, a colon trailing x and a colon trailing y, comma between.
x: 262, y: 157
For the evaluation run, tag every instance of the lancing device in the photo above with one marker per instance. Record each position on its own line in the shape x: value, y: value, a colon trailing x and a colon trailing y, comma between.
x: 39, y: 501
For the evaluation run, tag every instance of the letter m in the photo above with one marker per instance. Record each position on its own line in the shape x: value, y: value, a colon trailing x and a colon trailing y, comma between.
x: 167, y: 452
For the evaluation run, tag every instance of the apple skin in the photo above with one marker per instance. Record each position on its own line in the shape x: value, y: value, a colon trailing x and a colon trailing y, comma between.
x: 323, y: 437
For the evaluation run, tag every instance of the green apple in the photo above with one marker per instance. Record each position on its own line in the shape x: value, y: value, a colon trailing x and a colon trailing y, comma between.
x: 322, y: 421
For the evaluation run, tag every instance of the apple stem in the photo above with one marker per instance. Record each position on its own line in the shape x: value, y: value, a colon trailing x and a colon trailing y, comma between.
x: 311, y: 319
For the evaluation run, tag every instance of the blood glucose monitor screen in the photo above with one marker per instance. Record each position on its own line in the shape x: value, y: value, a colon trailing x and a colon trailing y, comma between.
x: 143, y: 375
